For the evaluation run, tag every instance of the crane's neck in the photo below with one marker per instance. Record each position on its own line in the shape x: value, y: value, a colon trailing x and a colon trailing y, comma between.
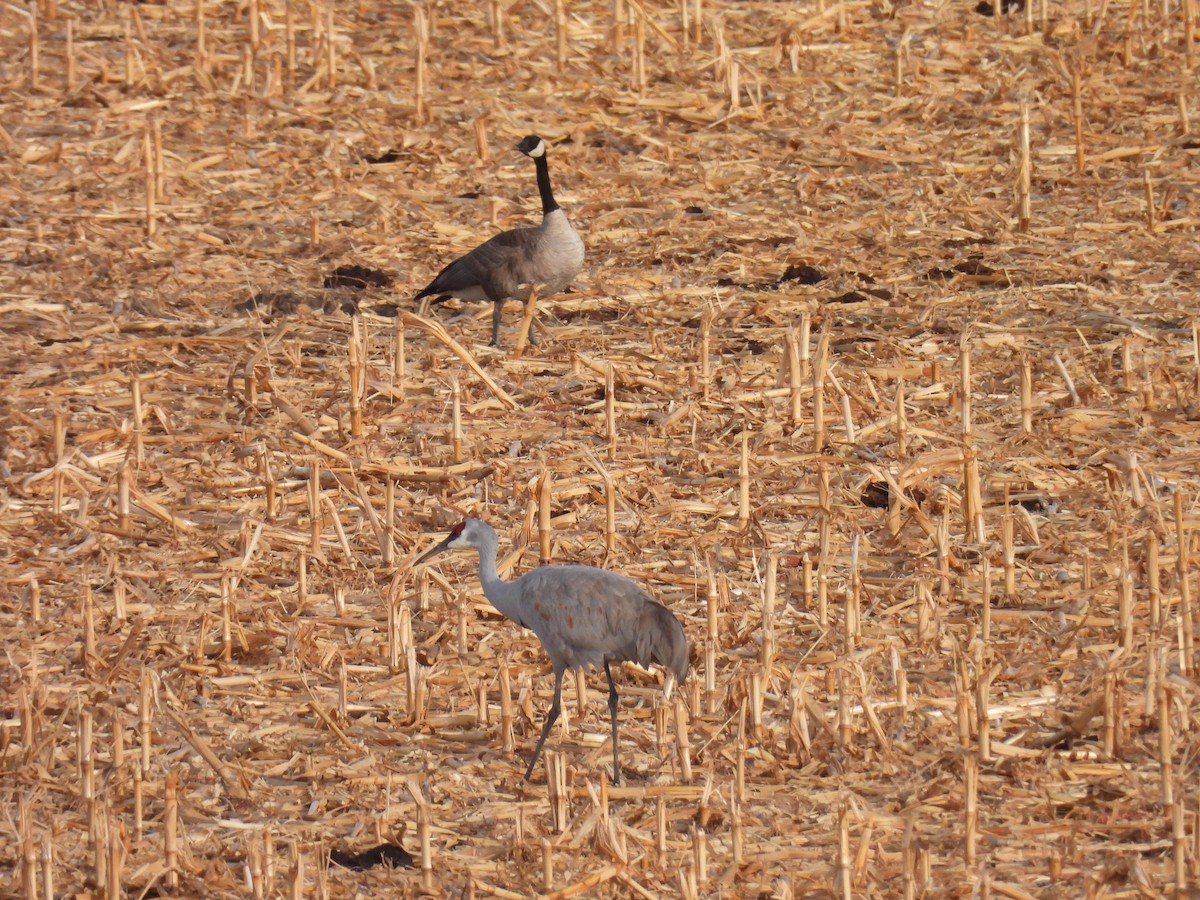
x: 543, y: 181
x: 498, y: 592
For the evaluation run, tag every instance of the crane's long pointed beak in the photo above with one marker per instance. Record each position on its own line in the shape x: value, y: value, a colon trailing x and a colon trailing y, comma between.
x: 434, y: 550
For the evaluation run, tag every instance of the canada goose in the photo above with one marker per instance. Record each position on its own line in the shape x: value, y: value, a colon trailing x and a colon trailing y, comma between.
x: 506, y: 266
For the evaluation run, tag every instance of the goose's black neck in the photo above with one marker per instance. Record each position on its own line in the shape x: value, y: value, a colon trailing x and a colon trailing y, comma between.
x: 543, y: 180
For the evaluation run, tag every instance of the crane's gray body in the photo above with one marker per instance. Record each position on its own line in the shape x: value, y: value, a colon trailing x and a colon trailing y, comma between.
x: 584, y: 617
x: 508, y: 265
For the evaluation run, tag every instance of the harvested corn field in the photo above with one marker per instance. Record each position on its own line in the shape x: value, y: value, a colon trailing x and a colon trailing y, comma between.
x: 882, y: 374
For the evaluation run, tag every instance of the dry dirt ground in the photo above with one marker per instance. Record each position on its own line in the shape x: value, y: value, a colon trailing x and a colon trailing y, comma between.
x: 882, y: 374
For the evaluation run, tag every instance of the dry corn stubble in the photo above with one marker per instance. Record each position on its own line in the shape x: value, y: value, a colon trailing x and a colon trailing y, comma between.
x: 927, y: 505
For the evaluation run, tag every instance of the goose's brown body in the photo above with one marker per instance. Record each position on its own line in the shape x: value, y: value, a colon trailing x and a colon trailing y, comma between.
x: 507, y: 266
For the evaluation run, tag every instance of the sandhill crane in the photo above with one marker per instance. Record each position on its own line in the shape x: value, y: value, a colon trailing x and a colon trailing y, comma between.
x: 583, y: 616
x: 505, y: 266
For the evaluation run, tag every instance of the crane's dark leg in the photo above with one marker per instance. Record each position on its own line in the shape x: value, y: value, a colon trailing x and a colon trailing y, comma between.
x: 555, y: 709
x: 612, y: 712
x: 497, y: 306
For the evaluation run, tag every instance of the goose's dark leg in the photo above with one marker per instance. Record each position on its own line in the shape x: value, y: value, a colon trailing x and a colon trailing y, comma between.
x: 555, y: 709
x: 532, y: 298
x: 497, y: 306
x: 612, y: 712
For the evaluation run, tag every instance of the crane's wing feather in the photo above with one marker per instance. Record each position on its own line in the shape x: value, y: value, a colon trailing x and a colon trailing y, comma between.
x: 584, y: 615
